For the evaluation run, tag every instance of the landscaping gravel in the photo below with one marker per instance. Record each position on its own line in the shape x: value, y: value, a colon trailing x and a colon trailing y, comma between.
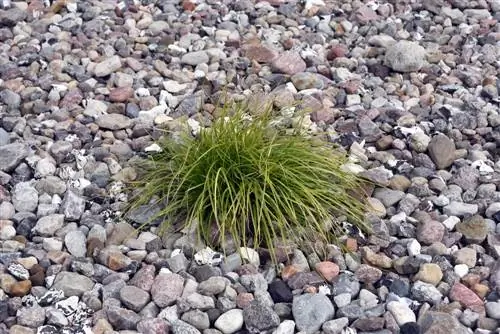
x: 409, y: 89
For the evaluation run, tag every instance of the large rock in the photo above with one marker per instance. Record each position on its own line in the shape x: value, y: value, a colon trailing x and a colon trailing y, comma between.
x: 438, y: 322
x: 310, y: 311
x: 122, y: 319
x: 72, y: 284
x: 11, y: 155
x: 405, y: 56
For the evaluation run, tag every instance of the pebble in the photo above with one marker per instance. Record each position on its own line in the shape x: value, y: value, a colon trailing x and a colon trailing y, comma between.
x: 405, y: 56
x: 230, y: 321
x: 310, y: 311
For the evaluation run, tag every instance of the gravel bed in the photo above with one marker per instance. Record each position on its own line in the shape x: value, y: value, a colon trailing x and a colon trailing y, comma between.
x: 409, y: 88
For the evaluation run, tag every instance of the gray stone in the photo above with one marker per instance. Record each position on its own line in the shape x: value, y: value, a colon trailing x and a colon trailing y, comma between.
x: 425, y: 292
x: 11, y: 155
x: 259, y: 317
x: 72, y: 284
x: 439, y: 322
x: 335, y: 326
x: 195, y: 300
x: 134, y: 298
x: 255, y: 282
x: 48, y: 225
x: 460, y: 209
x: 442, y: 151
x: 405, y: 56
x: 107, y: 66
x: 181, y: 327
x: 196, y: 318
x: 153, y: 326
x: 72, y: 206
x: 33, y: 317
x: 388, y: 197
x: 213, y: 286
x: 113, y: 122
x: 195, y: 58
x: 25, y: 197
x: 122, y: 319
x: 310, y: 311
x: 76, y: 243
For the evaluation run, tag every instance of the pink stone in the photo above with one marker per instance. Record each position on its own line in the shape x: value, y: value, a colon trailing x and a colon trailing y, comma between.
x: 365, y: 14
x: 289, y: 62
x: 244, y: 299
x: 260, y: 53
x: 121, y: 94
x: 328, y: 270
x: 466, y: 297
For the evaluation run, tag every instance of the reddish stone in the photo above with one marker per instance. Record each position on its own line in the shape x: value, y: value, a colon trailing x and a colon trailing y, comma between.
x: 188, y: 6
x: 244, y: 299
x: 328, y: 270
x: 260, y: 53
x: 288, y: 272
x: 336, y: 51
x: 326, y: 115
x: 289, y: 62
x: 466, y: 297
x: 121, y: 94
x: 351, y: 244
x: 118, y: 261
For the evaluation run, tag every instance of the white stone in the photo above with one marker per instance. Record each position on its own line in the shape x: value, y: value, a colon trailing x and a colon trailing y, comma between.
x: 450, y: 222
x: 7, y: 232
x: 461, y: 270
x: 230, y: 321
x: 401, y: 312
x: 286, y: 327
x: 250, y: 255
x: 95, y: 108
x: 460, y: 209
x: 48, y: 225
x: 342, y: 299
x: 6, y: 210
x: 52, y: 244
x: 414, y: 247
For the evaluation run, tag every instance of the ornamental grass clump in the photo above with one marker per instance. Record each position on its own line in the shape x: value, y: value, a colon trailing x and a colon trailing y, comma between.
x: 245, y: 178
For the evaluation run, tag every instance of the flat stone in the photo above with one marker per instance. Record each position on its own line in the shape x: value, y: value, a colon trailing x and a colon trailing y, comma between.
x: 107, y: 66
x: 72, y: 284
x: 33, y: 317
x: 76, y: 243
x: 460, y: 209
x: 113, y: 122
x: 429, y: 273
x: 195, y: 58
x: 335, y: 326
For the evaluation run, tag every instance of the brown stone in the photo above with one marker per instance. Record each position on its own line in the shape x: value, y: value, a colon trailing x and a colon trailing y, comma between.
x: 288, y: 272
x: 481, y: 290
x: 259, y: 53
x: 368, y: 274
x: 351, y: 244
x: 117, y: 261
x: 328, y: 270
x: 289, y: 62
x: 38, y: 279
x: 310, y: 289
x: 336, y: 51
x: 94, y: 245
x: 72, y: 98
x: 20, y: 289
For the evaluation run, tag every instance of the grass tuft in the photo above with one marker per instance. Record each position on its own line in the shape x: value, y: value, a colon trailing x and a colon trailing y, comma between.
x: 245, y: 179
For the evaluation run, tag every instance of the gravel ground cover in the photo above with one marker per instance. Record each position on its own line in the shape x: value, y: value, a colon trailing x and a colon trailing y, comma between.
x: 409, y: 88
